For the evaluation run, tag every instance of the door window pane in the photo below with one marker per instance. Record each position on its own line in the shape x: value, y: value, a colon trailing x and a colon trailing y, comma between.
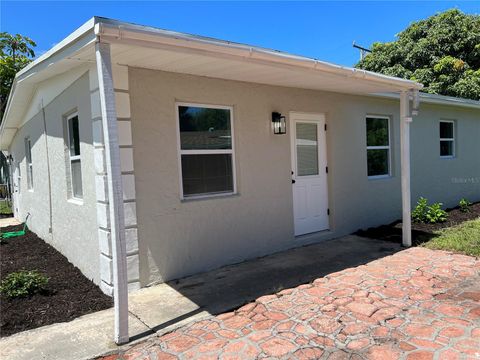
x: 211, y: 173
x: 307, y: 149
x: 377, y: 162
x: 204, y: 128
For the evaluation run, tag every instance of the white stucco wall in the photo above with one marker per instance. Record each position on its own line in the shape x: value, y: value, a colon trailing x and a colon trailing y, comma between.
x: 178, y: 238
x: 74, y: 230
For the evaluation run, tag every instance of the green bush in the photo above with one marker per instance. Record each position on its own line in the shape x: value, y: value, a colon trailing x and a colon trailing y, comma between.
x: 23, y: 283
x: 419, y: 213
x: 424, y: 213
x: 436, y: 214
x: 464, y: 205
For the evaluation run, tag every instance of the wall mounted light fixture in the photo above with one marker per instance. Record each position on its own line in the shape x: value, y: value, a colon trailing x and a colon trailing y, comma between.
x: 279, y: 123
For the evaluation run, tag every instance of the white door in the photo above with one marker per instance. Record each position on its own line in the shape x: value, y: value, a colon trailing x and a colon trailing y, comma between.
x: 309, y: 172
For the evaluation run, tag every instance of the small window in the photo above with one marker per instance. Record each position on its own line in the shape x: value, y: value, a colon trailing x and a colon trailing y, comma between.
x: 76, y: 190
x: 378, y: 146
x: 206, y: 150
x: 447, y: 138
x: 28, y: 156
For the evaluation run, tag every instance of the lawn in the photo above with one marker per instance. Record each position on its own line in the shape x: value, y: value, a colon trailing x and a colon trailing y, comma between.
x: 463, y: 238
x: 5, y: 208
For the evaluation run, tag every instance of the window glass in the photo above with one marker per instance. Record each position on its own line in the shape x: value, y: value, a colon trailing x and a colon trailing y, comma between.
x: 378, y: 146
x: 446, y: 130
x: 377, y: 162
x: 204, y: 128
x: 28, y: 156
x: 377, y: 132
x: 77, y: 190
x: 207, y: 174
x: 307, y: 149
x: 206, y: 150
x: 74, y: 136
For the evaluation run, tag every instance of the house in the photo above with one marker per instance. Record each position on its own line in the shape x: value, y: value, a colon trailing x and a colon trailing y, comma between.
x: 145, y: 155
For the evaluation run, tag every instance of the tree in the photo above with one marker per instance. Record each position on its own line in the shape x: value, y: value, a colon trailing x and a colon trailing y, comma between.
x: 442, y: 52
x: 16, y: 52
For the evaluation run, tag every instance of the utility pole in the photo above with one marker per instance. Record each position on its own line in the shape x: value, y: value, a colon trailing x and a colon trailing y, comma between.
x: 363, y: 51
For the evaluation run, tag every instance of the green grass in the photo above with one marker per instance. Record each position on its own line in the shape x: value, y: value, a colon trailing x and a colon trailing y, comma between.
x: 5, y: 208
x: 463, y: 238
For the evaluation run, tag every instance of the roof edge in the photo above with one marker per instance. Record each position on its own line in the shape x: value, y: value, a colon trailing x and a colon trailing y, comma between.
x: 438, y: 99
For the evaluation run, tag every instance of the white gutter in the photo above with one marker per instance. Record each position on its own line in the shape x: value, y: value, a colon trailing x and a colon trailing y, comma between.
x: 111, y: 30
x: 437, y: 99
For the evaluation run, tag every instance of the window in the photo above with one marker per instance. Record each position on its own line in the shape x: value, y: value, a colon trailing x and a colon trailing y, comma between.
x: 206, y: 150
x: 28, y: 156
x: 378, y: 146
x: 447, y: 139
x: 73, y: 148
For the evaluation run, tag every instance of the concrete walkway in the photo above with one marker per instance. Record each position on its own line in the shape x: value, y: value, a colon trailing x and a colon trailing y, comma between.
x: 165, y: 307
x: 10, y: 221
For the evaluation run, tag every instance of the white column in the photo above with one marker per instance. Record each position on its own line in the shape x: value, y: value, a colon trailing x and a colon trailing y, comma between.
x: 115, y: 191
x: 405, y: 121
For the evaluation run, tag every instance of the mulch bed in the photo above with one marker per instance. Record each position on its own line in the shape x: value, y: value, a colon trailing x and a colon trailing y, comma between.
x: 420, y: 232
x: 69, y: 293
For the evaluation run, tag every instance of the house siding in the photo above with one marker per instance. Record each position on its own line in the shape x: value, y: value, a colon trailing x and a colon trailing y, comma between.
x: 179, y: 238
x: 74, y: 226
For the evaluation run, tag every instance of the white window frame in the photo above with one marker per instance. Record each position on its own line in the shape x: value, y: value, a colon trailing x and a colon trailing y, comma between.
x: 389, y: 147
x: 29, y: 163
x: 73, y: 158
x: 181, y: 152
x: 452, y: 139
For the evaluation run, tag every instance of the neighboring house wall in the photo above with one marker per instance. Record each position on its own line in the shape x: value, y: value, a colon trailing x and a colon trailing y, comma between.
x: 74, y: 224
x: 178, y: 238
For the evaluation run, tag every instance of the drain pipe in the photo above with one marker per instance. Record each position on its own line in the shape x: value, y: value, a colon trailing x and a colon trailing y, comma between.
x: 115, y: 191
x: 50, y: 229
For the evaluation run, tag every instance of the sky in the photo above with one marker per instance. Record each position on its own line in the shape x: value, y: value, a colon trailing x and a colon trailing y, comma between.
x: 324, y: 30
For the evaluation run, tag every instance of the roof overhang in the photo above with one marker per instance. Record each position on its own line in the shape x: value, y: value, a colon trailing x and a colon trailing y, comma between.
x: 152, y: 48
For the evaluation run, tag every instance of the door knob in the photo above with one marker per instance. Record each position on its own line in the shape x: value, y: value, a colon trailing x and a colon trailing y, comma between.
x: 293, y: 181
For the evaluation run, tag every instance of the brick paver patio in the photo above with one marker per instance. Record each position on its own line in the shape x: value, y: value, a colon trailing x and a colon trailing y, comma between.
x: 416, y: 304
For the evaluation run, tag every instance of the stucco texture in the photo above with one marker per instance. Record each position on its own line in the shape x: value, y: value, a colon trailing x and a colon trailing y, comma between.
x: 178, y: 238
x: 74, y: 224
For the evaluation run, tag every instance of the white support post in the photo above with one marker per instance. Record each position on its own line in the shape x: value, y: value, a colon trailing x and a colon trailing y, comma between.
x: 115, y: 192
x: 405, y: 121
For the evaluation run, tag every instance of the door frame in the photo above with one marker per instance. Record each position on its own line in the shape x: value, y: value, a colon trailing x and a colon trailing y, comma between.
x: 317, y: 118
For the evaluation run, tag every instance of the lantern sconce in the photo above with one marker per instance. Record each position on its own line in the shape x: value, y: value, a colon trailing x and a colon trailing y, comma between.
x: 279, y: 123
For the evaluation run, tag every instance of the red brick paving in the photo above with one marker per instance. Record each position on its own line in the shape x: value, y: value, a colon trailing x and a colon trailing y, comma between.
x: 416, y: 304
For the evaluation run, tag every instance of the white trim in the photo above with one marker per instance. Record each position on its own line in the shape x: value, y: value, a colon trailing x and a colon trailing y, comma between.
x: 405, y: 120
x: 452, y: 139
x: 388, y: 175
x: 116, y: 209
x: 74, y: 158
x: 181, y: 152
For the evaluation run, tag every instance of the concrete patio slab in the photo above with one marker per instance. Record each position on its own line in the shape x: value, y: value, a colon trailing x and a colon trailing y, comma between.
x: 165, y: 307
x: 10, y: 221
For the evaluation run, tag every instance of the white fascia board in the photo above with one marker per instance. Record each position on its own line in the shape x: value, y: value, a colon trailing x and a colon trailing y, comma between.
x: 437, y: 99
x: 112, y: 30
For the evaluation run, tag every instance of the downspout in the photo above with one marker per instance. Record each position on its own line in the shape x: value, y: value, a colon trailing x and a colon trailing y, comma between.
x: 50, y: 229
x: 115, y: 190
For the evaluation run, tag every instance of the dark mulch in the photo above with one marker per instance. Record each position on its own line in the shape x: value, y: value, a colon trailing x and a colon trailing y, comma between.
x: 420, y: 232
x: 69, y: 293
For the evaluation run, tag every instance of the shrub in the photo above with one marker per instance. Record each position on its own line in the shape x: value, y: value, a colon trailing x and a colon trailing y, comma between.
x: 419, y: 213
x: 424, y: 213
x: 436, y: 214
x: 23, y: 283
x: 464, y: 205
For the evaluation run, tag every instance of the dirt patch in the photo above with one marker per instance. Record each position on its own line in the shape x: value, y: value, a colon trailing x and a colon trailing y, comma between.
x: 421, y: 232
x: 69, y: 293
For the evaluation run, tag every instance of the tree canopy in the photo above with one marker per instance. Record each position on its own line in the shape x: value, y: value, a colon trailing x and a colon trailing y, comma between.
x: 442, y: 52
x: 16, y: 52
